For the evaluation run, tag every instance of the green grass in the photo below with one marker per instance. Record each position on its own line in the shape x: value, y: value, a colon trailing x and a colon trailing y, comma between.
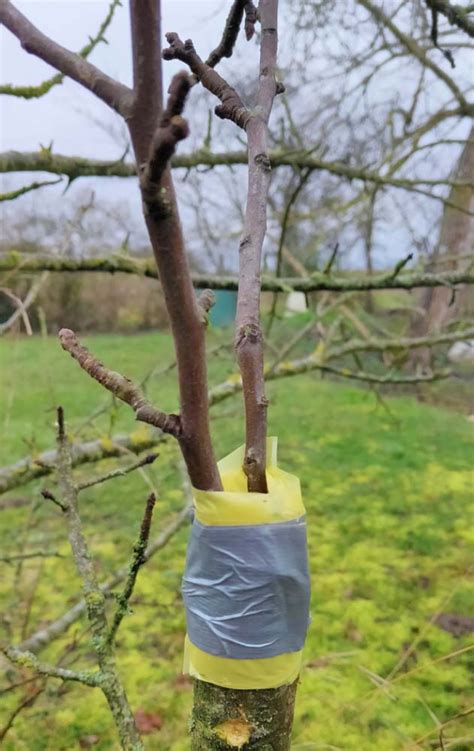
x: 389, y: 501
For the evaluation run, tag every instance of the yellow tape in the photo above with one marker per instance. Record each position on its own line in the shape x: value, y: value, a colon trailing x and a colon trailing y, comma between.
x: 233, y: 506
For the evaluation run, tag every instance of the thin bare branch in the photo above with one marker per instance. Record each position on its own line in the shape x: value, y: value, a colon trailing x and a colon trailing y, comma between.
x: 114, y: 94
x: 138, y: 559
x: 34, y: 92
x: 226, y: 46
x: 23, y: 305
x: 120, y: 472
x: 53, y: 630
x: 231, y: 107
x: 119, y: 385
x: 14, y: 194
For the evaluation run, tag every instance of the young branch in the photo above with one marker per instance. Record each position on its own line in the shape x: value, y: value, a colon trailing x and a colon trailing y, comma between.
x: 114, y: 94
x: 139, y: 558
x: 172, y: 129
x: 53, y: 630
x: 226, y: 46
x: 249, y: 337
x: 119, y: 385
x: 120, y: 472
x: 231, y: 107
x: 148, y: 132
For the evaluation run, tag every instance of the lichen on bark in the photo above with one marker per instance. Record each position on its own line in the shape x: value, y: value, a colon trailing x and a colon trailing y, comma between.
x: 222, y: 717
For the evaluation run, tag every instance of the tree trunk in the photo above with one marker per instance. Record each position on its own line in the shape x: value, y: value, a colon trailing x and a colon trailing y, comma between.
x: 455, y: 243
x: 258, y: 720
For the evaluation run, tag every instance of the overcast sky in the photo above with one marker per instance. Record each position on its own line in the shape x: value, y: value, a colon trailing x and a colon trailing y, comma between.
x: 66, y: 115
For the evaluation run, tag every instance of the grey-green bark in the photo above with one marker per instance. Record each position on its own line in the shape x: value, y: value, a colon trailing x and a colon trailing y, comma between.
x: 317, y: 281
x: 226, y: 719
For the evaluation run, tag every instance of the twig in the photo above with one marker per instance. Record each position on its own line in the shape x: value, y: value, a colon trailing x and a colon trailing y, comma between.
x: 139, y: 558
x: 26, y: 659
x: 456, y: 15
x: 34, y: 92
x: 53, y: 630
x: 119, y: 385
x: 13, y: 194
x: 172, y: 129
x: 113, y: 93
x: 230, y: 33
x: 121, y: 472
x: 231, y: 107
x: 23, y: 305
x: 27, y: 556
x: 49, y: 496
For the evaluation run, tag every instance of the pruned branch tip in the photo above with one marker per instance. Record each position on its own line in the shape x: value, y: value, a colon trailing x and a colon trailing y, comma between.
x: 119, y: 385
x: 231, y: 107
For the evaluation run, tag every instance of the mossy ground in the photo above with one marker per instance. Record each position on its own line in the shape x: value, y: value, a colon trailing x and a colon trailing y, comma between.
x: 389, y: 500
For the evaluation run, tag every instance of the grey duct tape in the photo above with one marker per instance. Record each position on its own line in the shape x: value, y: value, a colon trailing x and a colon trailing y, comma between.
x: 246, y: 589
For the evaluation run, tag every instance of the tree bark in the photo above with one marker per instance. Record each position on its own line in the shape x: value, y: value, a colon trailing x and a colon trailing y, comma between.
x: 454, y: 245
x: 225, y: 719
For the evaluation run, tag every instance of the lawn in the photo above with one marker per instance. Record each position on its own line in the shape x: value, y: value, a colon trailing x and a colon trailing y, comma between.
x: 389, y: 497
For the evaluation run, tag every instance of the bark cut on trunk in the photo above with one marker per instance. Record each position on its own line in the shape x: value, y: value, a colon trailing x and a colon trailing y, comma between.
x: 226, y: 719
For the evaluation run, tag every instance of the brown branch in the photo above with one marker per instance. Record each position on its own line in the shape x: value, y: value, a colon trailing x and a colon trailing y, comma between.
x: 226, y: 46
x: 114, y: 94
x: 233, y: 22
x: 231, y: 107
x: 119, y: 385
x: 317, y: 281
x: 169, y: 249
x: 249, y: 337
x: 251, y: 17
x: 171, y: 129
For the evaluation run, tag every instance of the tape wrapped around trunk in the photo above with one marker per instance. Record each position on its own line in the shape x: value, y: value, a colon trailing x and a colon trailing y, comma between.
x: 246, y: 584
